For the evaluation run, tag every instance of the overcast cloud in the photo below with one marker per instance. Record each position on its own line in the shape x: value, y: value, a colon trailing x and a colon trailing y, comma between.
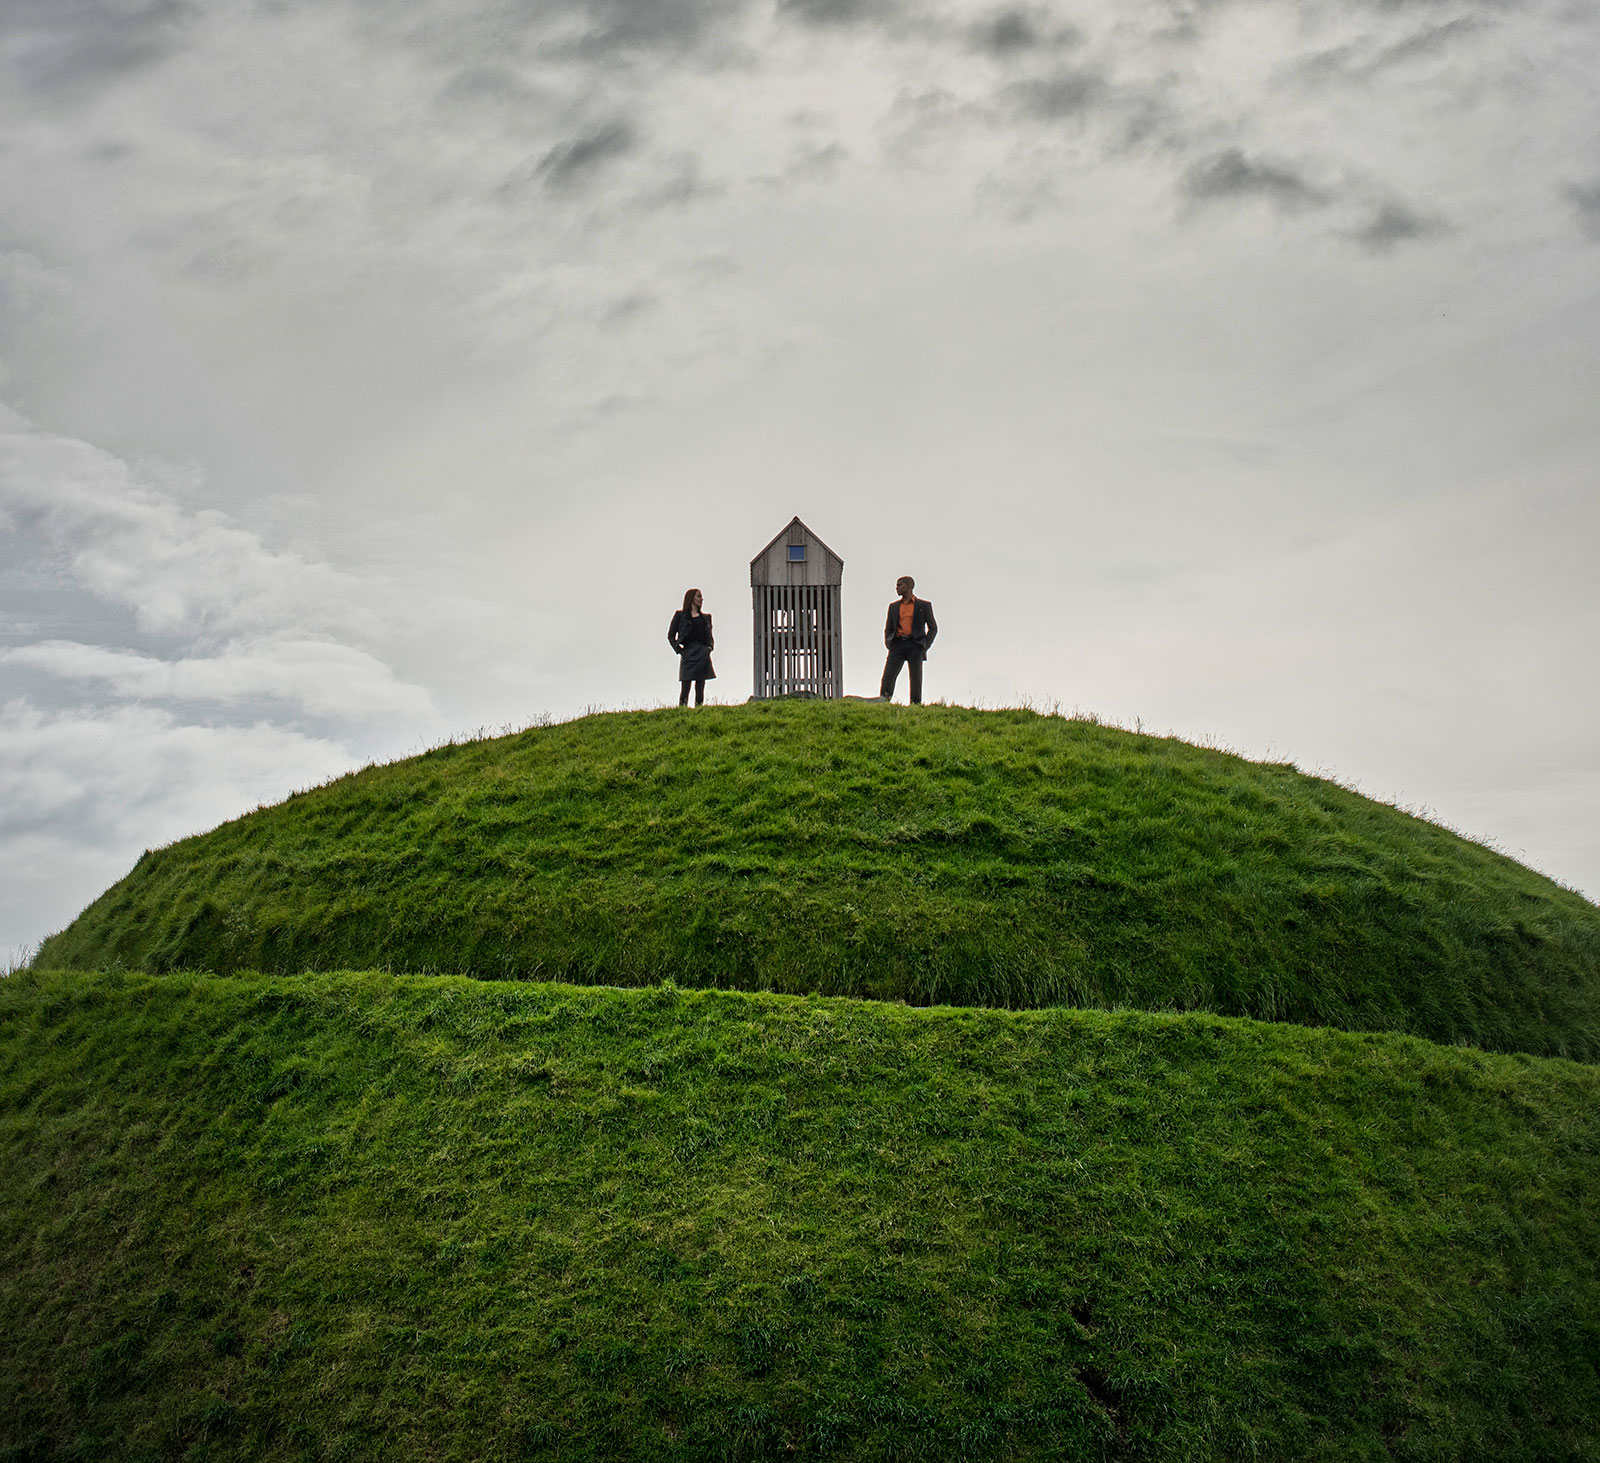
x: 372, y: 373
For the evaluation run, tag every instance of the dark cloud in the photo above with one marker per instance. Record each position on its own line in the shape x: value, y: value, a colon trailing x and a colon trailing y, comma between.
x: 680, y: 182
x: 816, y: 162
x: 1052, y: 98
x: 491, y: 85
x: 834, y: 12
x: 621, y: 312
x: 474, y: 39
x: 1398, y: 6
x: 1585, y: 197
x: 1345, y: 63
x: 1006, y: 32
x: 1230, y: 175
x: 574, y: 164
x: 75, y: 45
x: 1016, y: 32
x: 571, y: 163
x: 650, y: 24
x: 1393, y: 224
x: 1432, y: 41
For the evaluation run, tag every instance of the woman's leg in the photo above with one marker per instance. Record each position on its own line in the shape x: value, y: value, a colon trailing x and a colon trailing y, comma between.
x: 700, y: 692
x: 683, y: 693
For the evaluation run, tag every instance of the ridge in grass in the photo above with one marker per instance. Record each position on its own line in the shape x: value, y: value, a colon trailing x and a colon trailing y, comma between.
x: 934, y: 855
x: 437, y: 1219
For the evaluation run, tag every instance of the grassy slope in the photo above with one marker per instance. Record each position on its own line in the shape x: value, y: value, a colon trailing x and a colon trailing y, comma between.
x: 996, y: 858
x: 432, y: 1218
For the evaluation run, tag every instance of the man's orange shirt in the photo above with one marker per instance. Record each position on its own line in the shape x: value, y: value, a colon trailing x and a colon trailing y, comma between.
x: 906, y: 612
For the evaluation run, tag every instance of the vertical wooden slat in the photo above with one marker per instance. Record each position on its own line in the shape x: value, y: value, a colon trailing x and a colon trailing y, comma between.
x: 819, y: 632
x: 838, y: 644
x: 805, y: 634
x: 811, y: 640
x: 814, y: 627
x: 833, y: 677
x: 805, y: 643
x: 756, y: 596
x: 835, y: 599
x: 828, y: 687
x: 825, y: 640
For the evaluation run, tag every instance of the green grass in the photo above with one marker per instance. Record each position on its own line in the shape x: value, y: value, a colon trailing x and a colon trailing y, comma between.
x: 361, y: 1216
x: 938, y: 855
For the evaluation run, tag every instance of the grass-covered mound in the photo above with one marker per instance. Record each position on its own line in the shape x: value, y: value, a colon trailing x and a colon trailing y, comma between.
x: 930, y: 854
x: 432, y: 1218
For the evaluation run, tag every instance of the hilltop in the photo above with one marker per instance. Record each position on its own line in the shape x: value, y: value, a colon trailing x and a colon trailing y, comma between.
x: 359, y: 1216
x: 934, y: 854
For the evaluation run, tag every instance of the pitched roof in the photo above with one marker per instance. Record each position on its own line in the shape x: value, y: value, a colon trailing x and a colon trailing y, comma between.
x: 783, y: 534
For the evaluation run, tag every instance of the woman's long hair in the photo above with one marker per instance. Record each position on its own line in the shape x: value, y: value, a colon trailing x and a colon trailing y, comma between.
x: 688, y: 601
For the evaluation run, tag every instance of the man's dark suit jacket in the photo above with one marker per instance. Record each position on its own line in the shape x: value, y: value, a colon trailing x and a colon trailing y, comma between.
x: 923, y: 626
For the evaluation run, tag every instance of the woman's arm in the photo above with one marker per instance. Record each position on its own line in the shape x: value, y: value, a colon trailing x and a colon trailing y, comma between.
x: 673, y: 637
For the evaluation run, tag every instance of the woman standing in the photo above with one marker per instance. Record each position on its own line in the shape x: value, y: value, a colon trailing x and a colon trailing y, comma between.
x: 690, y: 635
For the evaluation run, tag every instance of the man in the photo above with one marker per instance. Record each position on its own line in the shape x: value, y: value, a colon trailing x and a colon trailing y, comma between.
x: 907, y: 634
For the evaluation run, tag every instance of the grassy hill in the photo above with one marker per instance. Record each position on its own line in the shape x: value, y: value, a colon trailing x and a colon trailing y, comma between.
x: 931, y: 855
x: 350, y: 1217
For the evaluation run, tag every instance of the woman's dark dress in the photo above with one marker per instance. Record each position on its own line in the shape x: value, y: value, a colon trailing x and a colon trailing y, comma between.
x: 690, y: 635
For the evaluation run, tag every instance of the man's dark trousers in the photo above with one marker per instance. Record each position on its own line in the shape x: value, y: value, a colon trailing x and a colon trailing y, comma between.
x: 903, y: 650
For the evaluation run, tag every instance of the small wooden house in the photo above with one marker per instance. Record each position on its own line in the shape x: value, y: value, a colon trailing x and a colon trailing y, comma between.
x: 799, y: 639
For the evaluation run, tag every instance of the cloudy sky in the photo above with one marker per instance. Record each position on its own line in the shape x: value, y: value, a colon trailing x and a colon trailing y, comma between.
x: 371, y: 373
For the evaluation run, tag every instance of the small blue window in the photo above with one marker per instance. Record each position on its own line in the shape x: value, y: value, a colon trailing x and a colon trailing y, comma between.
x: 797, y: 553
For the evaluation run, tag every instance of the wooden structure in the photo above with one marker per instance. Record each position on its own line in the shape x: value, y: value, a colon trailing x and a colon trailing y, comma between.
x: 799, y: 639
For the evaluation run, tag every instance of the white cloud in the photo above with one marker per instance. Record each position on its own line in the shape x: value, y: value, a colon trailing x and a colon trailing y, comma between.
x: 256, y: 631
x: 82, y: 792
x: 322, y: 677
x: 124, y: 540
x: 269, y: 625
x: 137, y: 774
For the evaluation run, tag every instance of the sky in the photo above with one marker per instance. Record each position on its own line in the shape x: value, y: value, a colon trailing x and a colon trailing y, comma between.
x: 375, y: 374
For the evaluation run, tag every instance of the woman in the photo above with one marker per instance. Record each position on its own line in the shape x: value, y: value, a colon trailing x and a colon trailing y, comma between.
x: 690, y: 635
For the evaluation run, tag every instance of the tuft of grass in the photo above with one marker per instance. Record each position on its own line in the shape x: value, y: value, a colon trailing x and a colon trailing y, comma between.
x: 439, y: 1219
x: 931, y: 854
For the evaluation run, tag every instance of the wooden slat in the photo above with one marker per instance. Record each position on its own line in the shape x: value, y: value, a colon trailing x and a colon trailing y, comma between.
x: 787, y: 683
x: 805, y: 636
x: 837, y: 595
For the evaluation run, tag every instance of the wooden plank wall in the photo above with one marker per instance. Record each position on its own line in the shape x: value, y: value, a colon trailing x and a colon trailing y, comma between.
x: 798, y: 639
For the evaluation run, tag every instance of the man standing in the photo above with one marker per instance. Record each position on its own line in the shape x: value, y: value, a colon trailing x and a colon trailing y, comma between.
x: 907, y: 634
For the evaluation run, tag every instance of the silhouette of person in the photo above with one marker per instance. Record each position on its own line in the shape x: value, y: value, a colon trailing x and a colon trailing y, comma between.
x: 690, y: 636
x: 908, y: 631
